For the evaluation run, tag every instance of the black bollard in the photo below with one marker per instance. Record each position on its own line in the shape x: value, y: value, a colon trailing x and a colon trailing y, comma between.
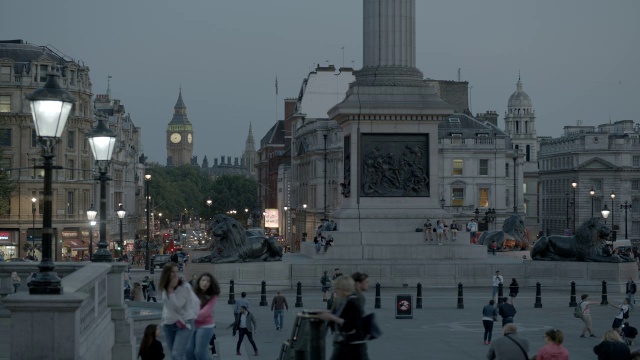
x: 500, y: 294
x: 572, y: 300
x: 538, y: 303
x: 298, y: 295
x: 377, y: 303
x: 232, y: 296
x: 263, y: 294
x: 317, y: 336
x: 604, y: 294
x: 419, y: 297
x: 460, y: 298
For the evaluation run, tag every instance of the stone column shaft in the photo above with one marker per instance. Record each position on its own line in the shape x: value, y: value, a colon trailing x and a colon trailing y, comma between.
x: 389, y: 33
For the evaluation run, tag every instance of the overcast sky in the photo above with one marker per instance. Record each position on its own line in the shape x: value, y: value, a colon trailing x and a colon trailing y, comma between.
x: 578, y: 58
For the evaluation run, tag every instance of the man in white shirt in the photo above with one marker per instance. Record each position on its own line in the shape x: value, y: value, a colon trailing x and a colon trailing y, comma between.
x: 497, y: 280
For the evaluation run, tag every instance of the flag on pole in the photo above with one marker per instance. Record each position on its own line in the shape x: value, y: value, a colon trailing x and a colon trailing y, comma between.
x: 276, y: 84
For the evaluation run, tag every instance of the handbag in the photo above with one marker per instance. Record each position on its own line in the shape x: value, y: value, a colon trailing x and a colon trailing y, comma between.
x: 370, y: 327
x: 526, y: 356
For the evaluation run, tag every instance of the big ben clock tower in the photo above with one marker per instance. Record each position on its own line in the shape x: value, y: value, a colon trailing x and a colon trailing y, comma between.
x: 179, y: 136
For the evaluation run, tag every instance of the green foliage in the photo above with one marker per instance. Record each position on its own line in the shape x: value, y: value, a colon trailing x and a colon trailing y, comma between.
x: 177, y: 190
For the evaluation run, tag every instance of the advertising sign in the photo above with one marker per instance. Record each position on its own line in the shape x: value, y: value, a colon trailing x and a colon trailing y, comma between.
x: 404, y: 306
x: 271, y: 218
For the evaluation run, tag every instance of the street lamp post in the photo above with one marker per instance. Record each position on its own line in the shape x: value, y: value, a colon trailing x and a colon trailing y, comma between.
x: 102, y: 141
x: 147, y: 179
x: 592, y: 192
x: 515, y: 185
x: 477, y: 212
x: 566, y: 195
x: 50, y: 108
x: 574, y: 185
x: 626, y: 206
x: 613, y: 224
x: 442, y: 201
x: 605, y: 213
x: 33, y: 228
x: 121, y: 214
x: 304, y: 232
x: 490, y: 216
x: 286, y: 225
x: 91, y: 216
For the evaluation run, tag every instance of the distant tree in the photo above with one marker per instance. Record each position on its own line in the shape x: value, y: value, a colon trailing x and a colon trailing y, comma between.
x: 7, y: 187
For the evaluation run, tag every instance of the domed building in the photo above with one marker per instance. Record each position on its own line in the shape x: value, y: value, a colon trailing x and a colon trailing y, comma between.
x: 519, y: 123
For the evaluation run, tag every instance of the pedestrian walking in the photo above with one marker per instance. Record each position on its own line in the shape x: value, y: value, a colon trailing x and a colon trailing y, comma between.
x: 151, y: 291
x: 586, y: 315
x: 362, y: 284
x: 145, y: 287
x: 326, y: 285
x: 179, y: 310
x: 207, y: 289
x: 278, y: 305
x: 612, y: 347
x: 336, y: 273
x: 245, y: 324
x: 489, y: 315
x: 514, y: 288
x: 150, y: 347
x: 239, y: 303
x: 506, y: 311
x: 496, y: 281
x: 346, y: 321
x: 553, y: 350
x: 623, y: 313
x: 15, y: 280
x: 510, y: 346
x: 631, y: 289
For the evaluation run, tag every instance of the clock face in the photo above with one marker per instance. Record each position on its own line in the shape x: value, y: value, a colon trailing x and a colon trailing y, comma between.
x: 175, y: 138
x: 596, y: 140
x: 189, y: 138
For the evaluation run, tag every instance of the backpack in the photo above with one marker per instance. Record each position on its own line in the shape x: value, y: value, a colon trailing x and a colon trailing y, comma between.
x: 577, y: 312
x: 625, y: 315
x: 324, y: 280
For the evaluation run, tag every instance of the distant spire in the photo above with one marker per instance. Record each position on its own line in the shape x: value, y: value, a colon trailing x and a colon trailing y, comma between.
x: 519, y: 83
x: 180, y: 103
x: 109, y: 86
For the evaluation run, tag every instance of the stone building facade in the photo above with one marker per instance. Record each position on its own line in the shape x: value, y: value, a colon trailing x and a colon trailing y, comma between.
x: 604, y: 158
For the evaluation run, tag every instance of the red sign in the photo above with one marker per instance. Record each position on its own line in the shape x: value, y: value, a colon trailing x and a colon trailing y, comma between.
x: 4, y: 235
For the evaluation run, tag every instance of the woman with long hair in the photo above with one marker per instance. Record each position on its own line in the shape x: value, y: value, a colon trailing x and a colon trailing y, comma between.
x: 489, y: 315
x: 207, y: 289
x: 514, y: 289
x: 612, y: 347
x: 346, y: 318
x: 150, y: 347
x: 179, y: 311
x: 553, y: 350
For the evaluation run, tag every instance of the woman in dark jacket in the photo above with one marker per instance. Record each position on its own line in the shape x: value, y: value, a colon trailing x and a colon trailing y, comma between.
x: 349, y: 340
x: 514, y: 288
x: 612, y: 347
x: 489, y: 315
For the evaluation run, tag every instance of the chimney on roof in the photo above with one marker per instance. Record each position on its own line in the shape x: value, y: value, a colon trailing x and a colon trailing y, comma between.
x: 228, y: 160
x: 215, y: 162
x: 221, y: 160
x: 235, y: 161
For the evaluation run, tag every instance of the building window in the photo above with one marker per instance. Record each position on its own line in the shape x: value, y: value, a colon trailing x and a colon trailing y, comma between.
x: 458, y: 197
x: 70, y: 203
x: 524, y: 188
x: 71, y: 139
x: 457, y: 166
x: 635, y: 205
x: 5, y: 137
x: 85, y: 169
x: 635, y: 227
x: 597, y: 184
x: 483, y: 197
x: 506, y: 198
x: 43, y: 72
x: 635, y: 184
x: 71, y: 169
x: 483, y: 168
x: 636, y: 161
x: 456, y: 139
x: 506, y: 170
x: 5, y: 73
x: 34, y: 138
x: 5, y: 103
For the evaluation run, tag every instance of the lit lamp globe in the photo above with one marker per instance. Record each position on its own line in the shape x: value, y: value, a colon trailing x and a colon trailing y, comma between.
x: 121, y: 212
x: 102, y: 141
x: 91, y: 213
x: 50, y: 107
x: 605, y: 212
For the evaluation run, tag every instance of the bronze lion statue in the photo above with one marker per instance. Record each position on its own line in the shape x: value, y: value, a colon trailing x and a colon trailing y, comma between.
x: 513, y: 235
x: 588, y: 244
x: 231, y: 243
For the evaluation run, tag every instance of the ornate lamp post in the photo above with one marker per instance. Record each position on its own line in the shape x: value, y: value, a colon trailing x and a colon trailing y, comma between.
x: 592, y: 192
x: 477, y: 212
x: 490, y: 216
x: 91, y: 216
x: 33, y: 228
x: 286, y: 224
x: 147, y: 179
x: 605, y: 213
x: 304, y: 232
x: 613, y: 224
x: 566, y: 195
x: 442, y: 201
x: 626, y: 206
x: 50, y: 108
x: 515, y: 185
x: 121, y: 214
x: 574, y: 185
x: 102, y: 141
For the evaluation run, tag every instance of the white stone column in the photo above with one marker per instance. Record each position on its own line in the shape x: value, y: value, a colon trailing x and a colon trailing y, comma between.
x: 389, y: 33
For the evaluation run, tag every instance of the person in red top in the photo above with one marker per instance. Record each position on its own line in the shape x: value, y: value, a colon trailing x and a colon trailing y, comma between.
x: 207, y: 289
x: 554, y: 349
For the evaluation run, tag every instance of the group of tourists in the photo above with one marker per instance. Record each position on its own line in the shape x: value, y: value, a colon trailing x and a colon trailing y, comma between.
x: 441, y: 231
